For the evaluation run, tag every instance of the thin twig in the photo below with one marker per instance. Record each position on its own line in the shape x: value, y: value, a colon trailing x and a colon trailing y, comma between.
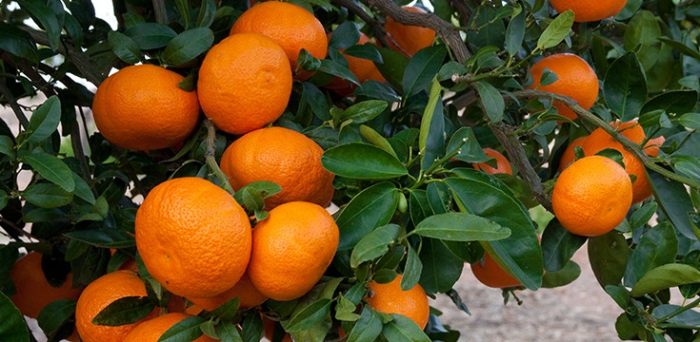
x: 19, y: 230
x: 7, y: 94
x: 210, y: 156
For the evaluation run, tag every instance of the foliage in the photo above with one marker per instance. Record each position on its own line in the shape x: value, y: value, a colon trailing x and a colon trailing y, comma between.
x: 410, y: 202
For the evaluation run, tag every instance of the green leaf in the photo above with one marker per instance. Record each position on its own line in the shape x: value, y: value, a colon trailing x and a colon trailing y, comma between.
x: 412, y: 270
x: 402, y: 328
x: 421, y: 69
x: 677, y: 316
x: 12, y: 326
x: 393, y: 67
x: 674, y: 102
x: 687, y: 166
x: 362, y: 161
x: 363, y: 111
x: 377, y: 139
x: 521, y: 251
x: 55, y: 315
x: 82, y: 189
x: 228, y: 310
x: 658, y: 246
x: 690, y: 120
x: 345, y: 310
x: 18, y: 42
x: 469, y: 150
x: 680, y: 47
x: 150, y: 36
x: 642, y: 36
x: 643, y: 214
x: 665, y: 277
x: 125, y: 310
x: 674, y: 202
x: 7, y: 146
x: 188, y: 45
x: 365, y: 51
x: 103, y: 237
x: 485, y: 29
x: 625, y: 87
x: 45, y: 120
x: 310, y: 316
x: 441, y: 268
x: 51, y: 168
x: 619, y: 294
x: 460, y: 227
x: 46, y: 17
x: 491, y: 101
x: 228, y: 332
x: 207, y: 13
x: 4, y: 198
x: 418, y: 205
x: 558, y: 246
x: 431, y: 139
x: 515, y: 33
x: 336, y: 69
x: 373, y: 207
x: 124, y: 47
x: 557, y: 30
x: 374, y: 244
x: 47, y: 195
x: 184, y: 330
x: 368, y: 327
x: 564, y: 276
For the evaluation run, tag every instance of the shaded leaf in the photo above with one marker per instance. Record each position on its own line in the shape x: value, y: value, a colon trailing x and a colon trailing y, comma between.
x: 124, y: 47
x: 625, y: 87
x: 12, y: 326
x: 665, y: 277
x: 188, y: 45
x: 371, y: 208
x: 51, y: 168
x: 374, y: 244
x: 422, y: 68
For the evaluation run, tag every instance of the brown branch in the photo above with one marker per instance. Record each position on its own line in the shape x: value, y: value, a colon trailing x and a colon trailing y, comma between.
x: 446, y: 31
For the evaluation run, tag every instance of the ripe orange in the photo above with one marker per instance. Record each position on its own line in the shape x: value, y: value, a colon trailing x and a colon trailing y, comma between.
x: 600, y: 140
x: 289, y: 25
x: 283, y: 156
x: 193, y: 237
x: 651, y: 148
x: 491, y: 274
x: 363, y: 69
x: 569, y: 153
x: 292, y: 248
x: 592, y: 196
x: 141, y: 107
x: 389, y: 298
x: 576, y: 79
x: 248, y: 295
x: 244, y: 83
x: 151, y: 330
x: 98, y: 295
x: 502, y: 164
x: 33, y: 290
x: 589, y: 10
x: 408, y: 39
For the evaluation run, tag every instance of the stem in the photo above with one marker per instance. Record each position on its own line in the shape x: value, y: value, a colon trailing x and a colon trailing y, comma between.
x: 18, y: 229
x: 679, y: 311
x: 7, y: 94
x: 629, y: 145
x: 160, y: 11
x: 210, y: 156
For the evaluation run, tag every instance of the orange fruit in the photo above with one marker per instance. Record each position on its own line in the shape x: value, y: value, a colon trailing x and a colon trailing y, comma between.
x: 193, y: 237
x: 141, y: 107
x: 575, y: 79
x: 569, y: 153
x: 592, y: 196
x: 502, y: 164
x: 98, y: 295
x: 248, y: 295
x: 651, y: 148
x: 491, y: 274
x: 33, y: 290
x: 282, y: 156
x: 289, y: 25
x: 589, y: 10
x: 391, y: 299
x: 244, y: 83
x: 151, y: 330
x: 600, y: 140
x: 292, y: 248
x: 363, y: 69
x: 408, y: 39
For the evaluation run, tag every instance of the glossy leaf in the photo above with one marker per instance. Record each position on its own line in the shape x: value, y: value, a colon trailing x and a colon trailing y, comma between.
x: 491, y: 101
x: 674, y: 102
x: 150, y: 36
x: 642, y: 36
x: 46, y: 17
x: 515, y: 33
x: 674, y: 201
x: 51, y: 168
x: 690, y: 120
x: 412, y: 271
x: 393, y: 67
x: 677, y: 316
x: 363, y: 111
x: 336, y: 69
x: 44, y: 120
x: 403, y: 329
x: 310, y: 316
x: 460, y: 227
x: 431, y: 140
x: 658, y: 246
x: 377, y: 139
x: 188, y: 45
x: 625, y: 88
x: 18, y: 42
x: 12, y: 326
x: 421, y: 69
x: 362, y: 161
x: 465, y: 143
x: 374, y: 244
x: 557, y: 30
x: 441, y: 268
x: 184, y: 330
x: 124, y: 47
x: 371, y: 208
x: 368, y: 327
x: 207, y: 13
x: 125, y: 310
x: 562, y: 277
x: 55, y: 315
x: 47, y: 195
x: 558, y: 246
x: 665, y: 277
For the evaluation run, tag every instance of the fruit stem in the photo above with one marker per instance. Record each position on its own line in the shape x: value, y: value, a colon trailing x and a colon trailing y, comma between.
x: 210, y: 156
x: 629, y: 145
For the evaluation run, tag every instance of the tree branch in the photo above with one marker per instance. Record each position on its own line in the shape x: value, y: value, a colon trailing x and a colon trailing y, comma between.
x: 7, y: 94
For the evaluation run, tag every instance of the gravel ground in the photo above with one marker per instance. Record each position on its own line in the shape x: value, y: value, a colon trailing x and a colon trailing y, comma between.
x: 580, y: 311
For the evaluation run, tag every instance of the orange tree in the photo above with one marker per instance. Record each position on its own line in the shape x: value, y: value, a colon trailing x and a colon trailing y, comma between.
x: 400, y: 147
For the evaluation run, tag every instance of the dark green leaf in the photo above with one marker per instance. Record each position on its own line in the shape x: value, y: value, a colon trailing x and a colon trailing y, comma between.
x: 619, y: 294
x: 228, y: 332
x: 55, y: 315
x: 658, y: 246
x: 184, y: 330
x: 642, y: 215
x: 625, y: 87
x: 558, y: 246
x: 687, y: 166
x: 46, y: 17
x: 468, y: 147
x: 377, y: 90
x: 557, y: 30
x: 564, y: 276
x: 393, y: 67
x: 421, y: 69
x: 4, y: 198
x: 441, y: 268
x: 371, y: 208
x: 362, y: 161
x: 103, y: 237
x: 13, y: 326
x: 44, y: 121
x: 7, y: 146
x: 344, y: 36
x: 228, y: 310
x: 677, y: 316
x: 485, y: 29
x: 641, y: 36
x: 51, y: 168
x: 365, y: 51
x: 690, y: 120
x: 374, y: 244
x: 674, y: 201
x: 125, y: 310
x: 515, y: 33
x: 674, y: 102
x: 82, y: 189
x: 368, y: 327
x: 47, y: 195
x: 665, y: 277
x: 680, y: 47
x: 460, y: 227
x: 412, y: 271
x: 18, y: 42
x: 150, y: 36
x: 363, y: 111
x: 207, y: 13
x: 310, y: 316
x: 188, y: 45
x: 491, y: 100
x: 403, y: 329
x: 124, y: 47
x: 336, y: 69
